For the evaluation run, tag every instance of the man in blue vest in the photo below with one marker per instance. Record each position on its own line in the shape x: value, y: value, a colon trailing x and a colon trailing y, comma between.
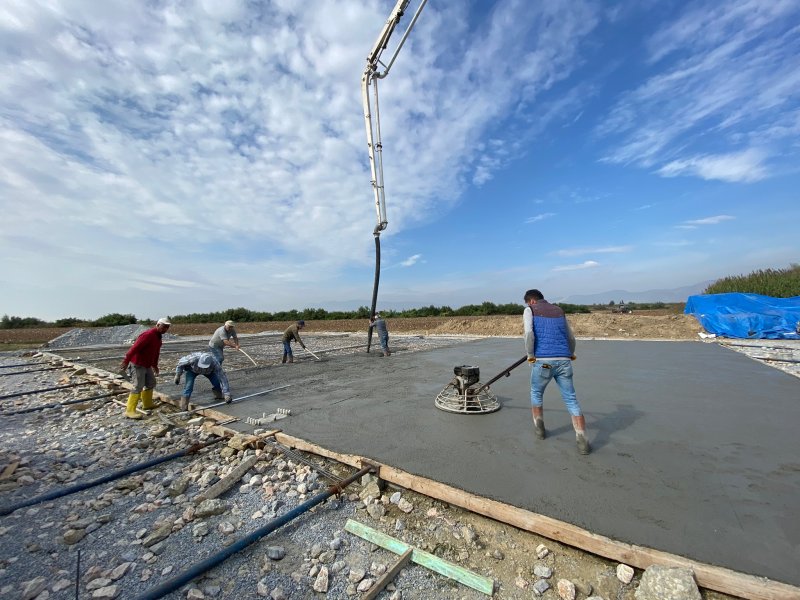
x: 550, y: 346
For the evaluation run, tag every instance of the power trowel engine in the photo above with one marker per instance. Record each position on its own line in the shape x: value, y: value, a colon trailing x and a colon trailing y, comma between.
x: 466, y: 377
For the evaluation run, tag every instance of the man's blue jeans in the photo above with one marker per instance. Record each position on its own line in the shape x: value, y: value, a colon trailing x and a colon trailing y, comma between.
x: 287, y: 348
x: 217, y: 352
x: 561, y: 370
x: 189, y: 385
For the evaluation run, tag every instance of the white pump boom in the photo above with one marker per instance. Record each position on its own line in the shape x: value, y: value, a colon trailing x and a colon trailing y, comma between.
x: 370, y: 77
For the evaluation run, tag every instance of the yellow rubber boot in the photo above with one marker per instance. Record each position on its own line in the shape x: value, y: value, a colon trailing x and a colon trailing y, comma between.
x: 147, y: 399
x: 130, y: 412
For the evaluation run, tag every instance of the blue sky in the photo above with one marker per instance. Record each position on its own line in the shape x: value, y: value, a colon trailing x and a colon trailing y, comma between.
x: 169, y: 157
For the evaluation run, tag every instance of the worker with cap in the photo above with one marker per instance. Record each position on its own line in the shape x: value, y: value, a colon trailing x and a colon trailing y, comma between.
x: 141, y: 361
x: 202, y: 363
x: 292, y: 333
x: 383, y: 333
x: 224, y: 336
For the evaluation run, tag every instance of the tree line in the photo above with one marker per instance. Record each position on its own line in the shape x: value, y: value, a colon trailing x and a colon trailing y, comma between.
x: 778, y: 283
x: 244, y: 315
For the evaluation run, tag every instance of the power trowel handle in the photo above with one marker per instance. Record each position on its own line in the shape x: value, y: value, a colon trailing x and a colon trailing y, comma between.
x: 504, y: 373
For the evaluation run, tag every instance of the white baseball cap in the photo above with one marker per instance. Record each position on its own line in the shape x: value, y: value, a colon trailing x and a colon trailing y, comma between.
x: 163, y: 321
x: 229, y: 323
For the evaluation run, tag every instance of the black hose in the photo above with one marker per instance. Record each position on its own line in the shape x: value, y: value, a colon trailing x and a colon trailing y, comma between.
x: 36, y: 364
x: 212, y: 561
x: 57, y: 404
x: 7, y: 510
x: 51, y: 389
x: 31, y: 371
x: 377, y: 235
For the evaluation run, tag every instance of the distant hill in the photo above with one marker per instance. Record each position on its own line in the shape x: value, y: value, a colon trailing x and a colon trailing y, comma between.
x: 674, y: 295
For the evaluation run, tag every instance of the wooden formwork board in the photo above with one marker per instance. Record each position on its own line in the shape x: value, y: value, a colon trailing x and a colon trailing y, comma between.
x: 708, y: 576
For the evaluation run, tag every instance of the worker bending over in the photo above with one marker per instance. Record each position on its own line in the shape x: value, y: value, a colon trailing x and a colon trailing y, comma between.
x: 202, y: 363
x: 292, y: 333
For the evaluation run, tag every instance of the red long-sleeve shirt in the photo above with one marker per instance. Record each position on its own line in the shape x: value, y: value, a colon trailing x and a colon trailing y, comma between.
x: 145, y: 350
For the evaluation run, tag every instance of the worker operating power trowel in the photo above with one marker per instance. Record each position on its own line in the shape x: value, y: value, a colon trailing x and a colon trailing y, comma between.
x: 202, y: 363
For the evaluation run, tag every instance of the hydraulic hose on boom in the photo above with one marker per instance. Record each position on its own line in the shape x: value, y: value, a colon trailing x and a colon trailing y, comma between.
x: 372, y: 74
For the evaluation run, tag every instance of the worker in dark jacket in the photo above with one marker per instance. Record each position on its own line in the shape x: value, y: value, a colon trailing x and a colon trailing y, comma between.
x: 141, y: 361
x: 379, y: 323
x: 292, y: 333
x: 550, y: 345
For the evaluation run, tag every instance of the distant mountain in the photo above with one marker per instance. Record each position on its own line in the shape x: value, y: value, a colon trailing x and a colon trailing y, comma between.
x: 674, y: 295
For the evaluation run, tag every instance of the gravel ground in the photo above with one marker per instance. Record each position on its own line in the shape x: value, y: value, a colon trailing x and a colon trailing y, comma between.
x: 120, y: 539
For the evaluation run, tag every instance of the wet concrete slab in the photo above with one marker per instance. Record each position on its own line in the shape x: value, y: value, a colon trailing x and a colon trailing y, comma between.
x: 695, y: 450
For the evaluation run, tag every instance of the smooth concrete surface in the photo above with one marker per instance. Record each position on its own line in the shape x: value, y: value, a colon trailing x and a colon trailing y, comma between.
x: 695, y: 447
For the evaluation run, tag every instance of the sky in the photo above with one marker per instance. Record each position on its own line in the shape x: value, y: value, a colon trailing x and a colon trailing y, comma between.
x: 168, y: 157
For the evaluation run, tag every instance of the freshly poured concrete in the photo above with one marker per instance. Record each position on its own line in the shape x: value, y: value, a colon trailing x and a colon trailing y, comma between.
x: 695, y: 447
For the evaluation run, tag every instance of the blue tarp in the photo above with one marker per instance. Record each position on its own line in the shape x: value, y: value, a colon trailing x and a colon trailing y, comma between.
x: 746, y: 315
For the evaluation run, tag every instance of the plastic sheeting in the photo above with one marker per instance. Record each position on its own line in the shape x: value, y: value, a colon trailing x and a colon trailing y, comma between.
x: 750, y: 316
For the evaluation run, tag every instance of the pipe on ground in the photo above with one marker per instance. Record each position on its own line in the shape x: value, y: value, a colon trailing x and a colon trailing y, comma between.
x: 7, y: 510
x: 212, y: 561
x: 51, y: 389
x: 57, y: 404
x: 4, y: 373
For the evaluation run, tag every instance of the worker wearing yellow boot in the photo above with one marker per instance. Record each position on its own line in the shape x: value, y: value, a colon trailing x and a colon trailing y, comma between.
x: 142, y: 360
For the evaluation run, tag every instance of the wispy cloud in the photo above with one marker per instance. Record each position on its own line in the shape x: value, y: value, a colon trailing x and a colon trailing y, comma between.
x: 589, y: 264
x: 746, y: 166
x: 695, y: 223
x: 602, y: 250
x: 411, y: 260
x: 730, y: 82
x: 540, y: 217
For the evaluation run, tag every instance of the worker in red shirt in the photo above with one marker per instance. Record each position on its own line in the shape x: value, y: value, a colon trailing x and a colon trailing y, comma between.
x: 142, y: 361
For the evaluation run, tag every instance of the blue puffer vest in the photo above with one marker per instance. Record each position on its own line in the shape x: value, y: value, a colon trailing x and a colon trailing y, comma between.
x: 550, y: 327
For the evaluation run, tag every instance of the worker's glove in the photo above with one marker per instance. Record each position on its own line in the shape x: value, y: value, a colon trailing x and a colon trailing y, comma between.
x: 178, y: 378
x: 303, y: 346
x: 573, y: 357
x: 228, y: 398
x: 531, y: 359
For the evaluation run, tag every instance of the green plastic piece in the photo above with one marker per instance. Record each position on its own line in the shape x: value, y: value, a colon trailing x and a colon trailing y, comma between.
x: 426, y: 559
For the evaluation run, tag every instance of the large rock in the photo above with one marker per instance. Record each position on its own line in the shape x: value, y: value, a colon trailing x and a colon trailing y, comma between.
x: 667, y: 583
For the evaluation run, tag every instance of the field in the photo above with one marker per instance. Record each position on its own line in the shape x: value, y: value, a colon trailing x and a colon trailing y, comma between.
x: 661, y: 324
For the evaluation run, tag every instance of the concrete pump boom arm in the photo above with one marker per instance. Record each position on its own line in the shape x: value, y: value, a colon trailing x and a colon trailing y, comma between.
x: 370, y: 78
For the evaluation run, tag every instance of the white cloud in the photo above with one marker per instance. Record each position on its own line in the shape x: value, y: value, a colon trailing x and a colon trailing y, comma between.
x: 411, y: 260
x: 724, y: 75
x: 209, y: 135
x: 540, y: 217
x: 588, y: 264
x: 715, y: 220
x: 744, y: 166
x: 602, y: 250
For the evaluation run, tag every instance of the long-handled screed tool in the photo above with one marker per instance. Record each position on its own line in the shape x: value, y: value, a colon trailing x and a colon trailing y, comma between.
x: 464, y: 396
x: 312, y: 354
x: 248, y: 356
x: 235, y: 401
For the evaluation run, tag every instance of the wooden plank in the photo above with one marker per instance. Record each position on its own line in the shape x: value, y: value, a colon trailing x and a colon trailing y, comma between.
x: 388, y: 576
x: 426, y: 559
x: 707, y: 576
x: 227, y: 482
x: 9, y: 470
